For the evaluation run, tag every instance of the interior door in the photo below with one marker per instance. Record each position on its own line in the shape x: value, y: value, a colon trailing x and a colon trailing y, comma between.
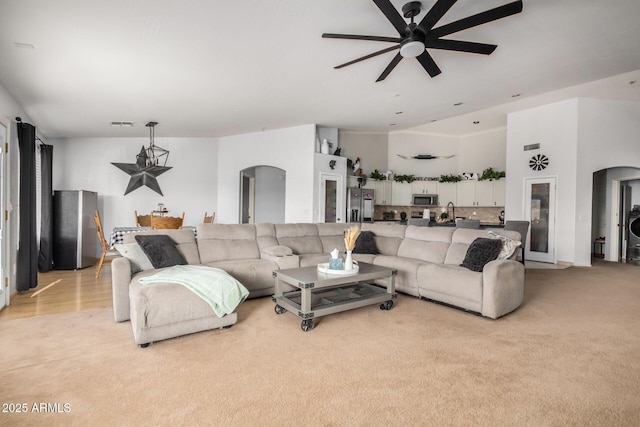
x: 332, y: 198
x: 540, y: 210
x: 4, y: 236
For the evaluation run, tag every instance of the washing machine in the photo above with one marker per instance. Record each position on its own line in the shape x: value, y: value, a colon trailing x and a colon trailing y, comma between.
x: 633, y: 245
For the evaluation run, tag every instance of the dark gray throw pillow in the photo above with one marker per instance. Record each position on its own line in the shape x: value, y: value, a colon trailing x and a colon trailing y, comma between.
x: 161, y: 250
x: 365, y: 243
x: 481, y: 251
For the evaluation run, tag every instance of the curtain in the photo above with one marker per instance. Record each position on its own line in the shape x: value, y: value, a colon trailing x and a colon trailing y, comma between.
x: 27, y: 274
x: 45, y: 258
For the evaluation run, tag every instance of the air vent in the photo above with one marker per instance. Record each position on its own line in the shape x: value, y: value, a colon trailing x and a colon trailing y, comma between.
x: 122, y: 124
x: 531, y: 147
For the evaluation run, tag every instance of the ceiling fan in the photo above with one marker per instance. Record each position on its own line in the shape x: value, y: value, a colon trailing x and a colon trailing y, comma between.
x: 415, y: 39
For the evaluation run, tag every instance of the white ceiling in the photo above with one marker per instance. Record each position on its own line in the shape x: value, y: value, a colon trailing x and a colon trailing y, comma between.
x: 214, y: 68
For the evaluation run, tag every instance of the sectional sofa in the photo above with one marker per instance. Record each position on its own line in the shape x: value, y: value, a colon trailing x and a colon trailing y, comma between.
x: 427, y: 260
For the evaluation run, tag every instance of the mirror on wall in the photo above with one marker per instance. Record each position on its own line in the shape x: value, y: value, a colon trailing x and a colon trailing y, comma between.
x: 262, y: 194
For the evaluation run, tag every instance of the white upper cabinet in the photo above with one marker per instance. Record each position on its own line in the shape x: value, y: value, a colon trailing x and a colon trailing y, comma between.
x: 447, y: 192
x: 382, y: 194
x: 424, y: 187
x: 480, y: 193
x: 401, y: 193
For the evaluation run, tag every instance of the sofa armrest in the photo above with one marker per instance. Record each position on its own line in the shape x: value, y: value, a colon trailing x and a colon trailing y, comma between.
x: 502, y: 287
x: 281, y: 255
x: 120, y: 280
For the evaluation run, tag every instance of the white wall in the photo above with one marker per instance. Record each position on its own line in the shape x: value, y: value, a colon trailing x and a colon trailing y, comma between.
x: 290, y: 149
x: 580, y: 137
x: 270, y: 191
x: 473, y: 153
x: 372, y: 148
x: 190, y: 186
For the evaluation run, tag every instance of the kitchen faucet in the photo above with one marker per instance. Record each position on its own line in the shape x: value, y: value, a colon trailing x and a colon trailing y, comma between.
x: 453, y: 212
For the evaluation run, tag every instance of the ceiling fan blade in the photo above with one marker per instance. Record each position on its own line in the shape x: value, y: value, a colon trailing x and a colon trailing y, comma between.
x: 393, y: 16
x: 478, y: 19
x: 435, y: 14
x: 428, y: 64
x: 396, y: 59
x: 461, y: 46
x: 371, y: 55
x: 359, y: 37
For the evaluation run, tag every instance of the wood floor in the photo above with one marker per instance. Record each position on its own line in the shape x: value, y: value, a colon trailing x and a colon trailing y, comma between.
x: 62, y: 291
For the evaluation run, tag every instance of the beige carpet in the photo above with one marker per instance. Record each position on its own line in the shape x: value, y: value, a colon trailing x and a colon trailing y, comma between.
x: 568, y: 356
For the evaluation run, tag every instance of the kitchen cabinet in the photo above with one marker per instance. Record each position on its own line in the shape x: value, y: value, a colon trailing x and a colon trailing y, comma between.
x: 480, y: 193
x: 401, y: 193
x: 447, y: 192
x: 499, y: 190
x: 382, y: 194
x: 424, y: 187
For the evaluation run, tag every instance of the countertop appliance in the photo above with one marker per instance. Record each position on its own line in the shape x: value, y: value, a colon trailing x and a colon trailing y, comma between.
x: 360, y: 204
x: 425, y: 200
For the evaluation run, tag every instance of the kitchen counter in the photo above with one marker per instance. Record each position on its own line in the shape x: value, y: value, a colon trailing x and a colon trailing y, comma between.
x: 426, y: 223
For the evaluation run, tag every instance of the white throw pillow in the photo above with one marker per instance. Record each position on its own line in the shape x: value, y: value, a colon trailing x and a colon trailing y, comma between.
x: 508, y: 245
x: 133, y: 252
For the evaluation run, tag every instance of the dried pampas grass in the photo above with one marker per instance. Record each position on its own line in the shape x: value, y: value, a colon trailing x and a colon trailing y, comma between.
x: 350, y: 236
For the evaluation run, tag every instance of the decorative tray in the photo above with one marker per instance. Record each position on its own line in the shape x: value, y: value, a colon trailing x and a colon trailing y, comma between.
x: 324, y: 268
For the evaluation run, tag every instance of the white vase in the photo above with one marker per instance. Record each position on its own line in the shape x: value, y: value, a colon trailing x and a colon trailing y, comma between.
x: 324, y: 148
x: 348, y: 262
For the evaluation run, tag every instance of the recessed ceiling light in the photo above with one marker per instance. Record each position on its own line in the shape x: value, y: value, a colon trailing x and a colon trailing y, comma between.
x: 24, y: 45
x: 122, y: 124
x: 457, y: 104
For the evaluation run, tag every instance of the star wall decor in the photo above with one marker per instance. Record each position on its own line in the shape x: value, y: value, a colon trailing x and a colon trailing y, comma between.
x: 141, y: 173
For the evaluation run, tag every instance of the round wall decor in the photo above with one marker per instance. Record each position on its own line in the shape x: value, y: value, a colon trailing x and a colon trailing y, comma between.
x: 539, y: 162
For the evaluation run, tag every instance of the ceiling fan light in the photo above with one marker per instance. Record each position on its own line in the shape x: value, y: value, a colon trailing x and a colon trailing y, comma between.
x: 412, y: 49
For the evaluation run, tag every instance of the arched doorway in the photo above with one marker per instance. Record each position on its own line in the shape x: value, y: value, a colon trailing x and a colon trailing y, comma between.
x: 262, y: 194
x: 615, y: 193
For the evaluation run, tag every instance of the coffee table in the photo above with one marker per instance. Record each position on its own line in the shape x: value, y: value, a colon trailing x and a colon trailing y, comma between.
x: 322, y: 293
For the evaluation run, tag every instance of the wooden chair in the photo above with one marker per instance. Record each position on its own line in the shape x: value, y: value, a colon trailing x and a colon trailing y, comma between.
x: 164, y: 222
x: 142, y: 220
x: 209, y: 219
x: 103, y: 242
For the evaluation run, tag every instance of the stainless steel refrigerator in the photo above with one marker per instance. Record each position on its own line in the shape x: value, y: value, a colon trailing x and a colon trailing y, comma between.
x: 74, y: 230
x: 360, y: 204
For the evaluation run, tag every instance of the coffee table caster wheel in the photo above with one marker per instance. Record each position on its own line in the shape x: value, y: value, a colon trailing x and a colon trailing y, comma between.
x: 307, y: 325
x: 387, y: 305
x: 279, y: 309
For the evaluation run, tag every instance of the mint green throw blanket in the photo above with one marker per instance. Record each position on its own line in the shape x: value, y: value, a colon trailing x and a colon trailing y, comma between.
x: 223, y: 293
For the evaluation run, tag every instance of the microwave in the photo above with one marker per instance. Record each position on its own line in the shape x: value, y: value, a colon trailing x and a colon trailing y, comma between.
x: 424, y: 200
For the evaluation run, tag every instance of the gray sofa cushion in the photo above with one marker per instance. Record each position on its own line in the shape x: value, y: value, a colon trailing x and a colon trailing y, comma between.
x: 452, y: 285
x: 426, y: 243
x: 301, y: 238
x: 223, y: 242
x: 387, y: 236
x: 332, y: 236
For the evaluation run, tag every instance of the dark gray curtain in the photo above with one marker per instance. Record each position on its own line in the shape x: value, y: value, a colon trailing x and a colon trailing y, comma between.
x: 27, y: 274
x: 45, y: 259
